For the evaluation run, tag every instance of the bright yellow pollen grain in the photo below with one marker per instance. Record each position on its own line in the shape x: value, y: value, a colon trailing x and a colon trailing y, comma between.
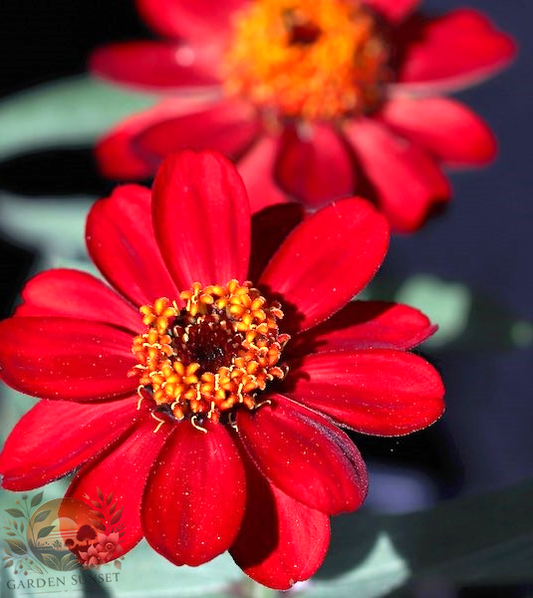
x: 237, y: 311
x: 313, y: 59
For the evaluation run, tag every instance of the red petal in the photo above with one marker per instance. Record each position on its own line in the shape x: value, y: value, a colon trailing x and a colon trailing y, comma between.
x: 380, y: 392
x: 257, y: 171
x: 151, y: 64
x: 451, y: 51
x: 124, y: 472
x: 447, y: 129
x: 75, y: 294
x: 326, y: 260
x: 55, y: 437
x: 269, y: 229
x: 121, y: 243
x: 201, y: 19
x: 366, y: 325
x: 64, y: 358
x: 117, y: 154
x: 304, y: 455
x: 229, y: 127
x: 408, y: 182
x: 202, y: 219
x: 393, y: 10
x: 195, y: 496
x: 281, y: 541
x: 317, y: 169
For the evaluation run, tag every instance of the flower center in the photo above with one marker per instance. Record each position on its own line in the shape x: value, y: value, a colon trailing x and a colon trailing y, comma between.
x: 313, y: 59
x: 212, y: 356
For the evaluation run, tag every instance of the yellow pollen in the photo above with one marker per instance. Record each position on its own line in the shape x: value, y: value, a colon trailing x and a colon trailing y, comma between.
x: 312, y: 59
x: 211, y: 357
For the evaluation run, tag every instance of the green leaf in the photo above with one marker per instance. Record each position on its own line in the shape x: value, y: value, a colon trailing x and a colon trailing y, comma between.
x: 467, y: 319
x: 69, y: 562
x: 66, y: 113
x: 15, y: 512
x: 17, y: 546
x: 155, y: 577
x: 36, y: 500
x: 42, y: 516
x: 481, y: 540
x: 447, y: 304
x: 71, y: 565
x: 51, y: 561
x: 45, y: 531
x: 54, y: 226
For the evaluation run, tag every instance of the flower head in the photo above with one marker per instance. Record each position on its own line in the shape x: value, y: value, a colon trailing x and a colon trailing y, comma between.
x: 208, y: 404
x: 93, y: 558
x: 316, y: 99
x: 109, y: 544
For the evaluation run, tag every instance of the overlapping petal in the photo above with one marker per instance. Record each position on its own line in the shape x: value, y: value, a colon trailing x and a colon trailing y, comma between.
x: 314, y: 165
x: 123, y: 470
x: 76, y: 294
x: 269, y: 229
x: 365, y: 325
x: 32, y: 455
x: 195, y: 496
x: 118, y: 154
x: 121, y: 242
x: 381, y: 392
x: 228, y: 126
x: 447, y: 129
x: 151, y: 64
x: 281, y: 541
x: 304, y: 455
x: 309, y: 271
x: 256, y: 168
x: 202, y: 219
x: 408, y: 182
x: 456, y: 49
x: 65, y: 358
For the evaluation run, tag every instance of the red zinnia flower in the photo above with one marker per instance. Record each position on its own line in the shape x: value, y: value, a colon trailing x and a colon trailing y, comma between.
x: 212, y: 414
x: 324, y: 97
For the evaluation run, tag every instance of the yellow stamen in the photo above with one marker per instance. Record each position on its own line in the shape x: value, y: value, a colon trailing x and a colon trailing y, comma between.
x: 313, y: 59
x: 211, y: 357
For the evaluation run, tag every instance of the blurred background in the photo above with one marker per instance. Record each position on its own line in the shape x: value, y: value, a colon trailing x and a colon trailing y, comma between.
x: 469, y: 269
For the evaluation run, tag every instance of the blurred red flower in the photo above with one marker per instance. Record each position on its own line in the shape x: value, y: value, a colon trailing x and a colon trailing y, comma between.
x: 317, y: 99
x: 212, y: 416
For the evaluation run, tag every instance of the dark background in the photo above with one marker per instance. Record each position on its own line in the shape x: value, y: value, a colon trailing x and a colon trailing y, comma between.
x: 484, y: 240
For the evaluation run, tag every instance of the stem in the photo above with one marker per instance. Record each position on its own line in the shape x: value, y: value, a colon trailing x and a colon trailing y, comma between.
x: 29, y: 521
